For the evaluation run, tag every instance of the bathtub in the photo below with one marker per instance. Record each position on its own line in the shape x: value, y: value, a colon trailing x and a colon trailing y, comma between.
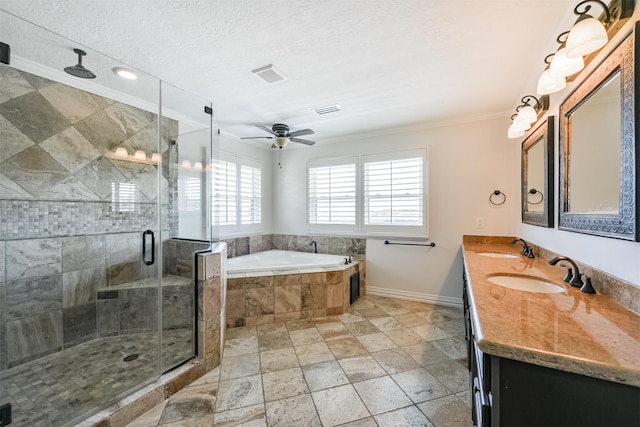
x: 276, y: 260
x: 279, y: 286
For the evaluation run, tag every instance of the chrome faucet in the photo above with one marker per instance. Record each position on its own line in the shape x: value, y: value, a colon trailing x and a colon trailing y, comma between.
x: 526, y: 249
x: 573, y: 276
x: 315, y: 246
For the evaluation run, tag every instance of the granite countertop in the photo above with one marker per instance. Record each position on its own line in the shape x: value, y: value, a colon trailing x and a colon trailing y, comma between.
x: 572, y: 331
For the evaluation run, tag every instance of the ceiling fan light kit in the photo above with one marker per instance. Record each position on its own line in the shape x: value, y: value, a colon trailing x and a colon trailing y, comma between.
x: 281, y: 135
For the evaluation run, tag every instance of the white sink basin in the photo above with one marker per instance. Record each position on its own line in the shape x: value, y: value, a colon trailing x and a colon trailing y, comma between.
x: 497, y: 255
x: 525, y: 283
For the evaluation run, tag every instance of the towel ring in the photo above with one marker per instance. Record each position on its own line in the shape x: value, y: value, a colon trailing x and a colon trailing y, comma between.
x: 534, y: 191
x: 497, y: 193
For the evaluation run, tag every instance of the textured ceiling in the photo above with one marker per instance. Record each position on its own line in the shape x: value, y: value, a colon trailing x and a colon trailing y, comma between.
x: 387, y: 63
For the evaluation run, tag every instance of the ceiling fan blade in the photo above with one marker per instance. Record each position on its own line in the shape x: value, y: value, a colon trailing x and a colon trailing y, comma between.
x: 302, y: 141
x: 301, y: 132
x: 257, y: 137
x: 266, y: 129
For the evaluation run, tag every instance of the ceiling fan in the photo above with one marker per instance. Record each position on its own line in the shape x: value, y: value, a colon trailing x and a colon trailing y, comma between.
x: 281, y: 135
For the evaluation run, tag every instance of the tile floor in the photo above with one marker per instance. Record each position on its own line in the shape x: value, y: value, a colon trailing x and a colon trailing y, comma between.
x: 58, y: 388
x: 385, y: 362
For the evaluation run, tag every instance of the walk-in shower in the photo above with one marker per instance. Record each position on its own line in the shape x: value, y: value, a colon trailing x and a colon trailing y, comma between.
x: 104, y: 201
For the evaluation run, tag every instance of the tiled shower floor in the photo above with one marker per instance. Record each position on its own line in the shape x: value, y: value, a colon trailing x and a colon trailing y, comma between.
x: 56, y: 389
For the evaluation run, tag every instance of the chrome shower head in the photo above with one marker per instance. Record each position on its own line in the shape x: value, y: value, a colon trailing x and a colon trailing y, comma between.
x: 79, y: 70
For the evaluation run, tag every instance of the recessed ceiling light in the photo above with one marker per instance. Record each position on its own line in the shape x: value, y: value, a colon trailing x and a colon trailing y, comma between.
x: 125, y: 73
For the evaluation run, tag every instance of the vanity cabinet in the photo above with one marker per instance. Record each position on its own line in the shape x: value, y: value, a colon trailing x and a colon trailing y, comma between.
x: 508, y: 392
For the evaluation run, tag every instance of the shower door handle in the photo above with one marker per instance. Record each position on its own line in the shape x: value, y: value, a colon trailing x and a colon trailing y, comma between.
x: 145, y: 235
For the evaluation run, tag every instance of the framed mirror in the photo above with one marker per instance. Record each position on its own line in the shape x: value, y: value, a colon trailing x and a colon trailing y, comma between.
x: 598, y: 164
x: 537, y: 175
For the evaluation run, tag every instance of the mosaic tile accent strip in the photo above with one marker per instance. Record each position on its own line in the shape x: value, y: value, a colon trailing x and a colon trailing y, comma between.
x: 29, y: 219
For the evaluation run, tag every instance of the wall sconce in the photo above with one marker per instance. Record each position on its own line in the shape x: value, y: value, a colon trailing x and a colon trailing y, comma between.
x: 549, y: 83
x: 526, y: 115
x: 588, y: 33
x: 561, y: 64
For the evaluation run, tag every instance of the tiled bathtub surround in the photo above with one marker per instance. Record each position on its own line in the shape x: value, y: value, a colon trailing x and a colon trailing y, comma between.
x: 273, y: 297
x: 302, y: 243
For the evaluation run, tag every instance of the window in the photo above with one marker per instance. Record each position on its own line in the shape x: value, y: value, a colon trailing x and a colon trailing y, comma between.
x: 378, y: 193
x: 393, y: 192
x: 250, y: 194
x: 123, y: 196
x: 332, y: 193
x: 237, y: 194
x: 189, y: 196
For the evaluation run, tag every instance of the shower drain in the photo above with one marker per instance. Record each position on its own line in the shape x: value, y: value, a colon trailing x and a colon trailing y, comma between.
x: 130, y: 357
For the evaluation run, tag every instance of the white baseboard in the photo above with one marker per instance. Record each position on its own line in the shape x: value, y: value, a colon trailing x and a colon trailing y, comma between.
x: 415, y: 296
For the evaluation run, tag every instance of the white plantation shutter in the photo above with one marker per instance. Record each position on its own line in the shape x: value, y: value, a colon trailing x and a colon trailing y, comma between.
x: 237, y: 194
x: 225, y: 191
x: 189, y: 195
x: 250, y: 194
x: 393, y: 192
x: 332, y: 193
x: 378, y: 194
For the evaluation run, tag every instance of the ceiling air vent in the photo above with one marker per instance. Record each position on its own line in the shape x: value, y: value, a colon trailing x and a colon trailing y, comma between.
x: 327, y: 109
x: 268, y: 74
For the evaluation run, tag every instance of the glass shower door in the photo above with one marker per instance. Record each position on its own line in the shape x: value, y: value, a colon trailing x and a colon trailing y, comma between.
x: 79, y: 207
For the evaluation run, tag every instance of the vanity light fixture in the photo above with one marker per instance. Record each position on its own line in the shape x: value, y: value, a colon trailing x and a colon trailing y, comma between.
x: 125, y: 73
x: 514, y: 131
x: 548, y: 83
x: 588, y: 33
x: 156, y: 158
x: 122, y: 152
x: 561, y: 65
x: 186, y: 164
x: 197, y: 166
x: 139, y: 155
x: 526, y: 115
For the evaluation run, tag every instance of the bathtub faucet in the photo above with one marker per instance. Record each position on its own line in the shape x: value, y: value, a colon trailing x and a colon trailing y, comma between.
x: 315, y: 246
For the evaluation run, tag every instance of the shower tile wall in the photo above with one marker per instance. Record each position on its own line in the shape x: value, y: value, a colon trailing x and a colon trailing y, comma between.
x: 65, y: 230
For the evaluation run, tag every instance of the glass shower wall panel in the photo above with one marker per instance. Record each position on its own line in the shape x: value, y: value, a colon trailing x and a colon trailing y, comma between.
x: 186, y: 224
x: 79, y: 210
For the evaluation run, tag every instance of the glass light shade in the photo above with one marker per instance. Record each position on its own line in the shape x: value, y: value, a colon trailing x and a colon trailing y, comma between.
x: 197, y: 166
x: 586, y: 36
x: 155, y: 157
x: 521, y: 125
x: 140, y: 155
x: 514, y: 133
x: 281, y: 141
x: 549, y: 84
x: 186, y: 164
x: 122, y: 152
x: 527, y: 114
x: 563, y: 66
